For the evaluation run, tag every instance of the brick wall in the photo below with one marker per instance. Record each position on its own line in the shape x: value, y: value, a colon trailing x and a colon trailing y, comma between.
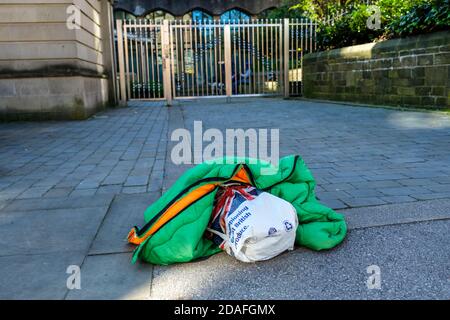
x: 410, y: 72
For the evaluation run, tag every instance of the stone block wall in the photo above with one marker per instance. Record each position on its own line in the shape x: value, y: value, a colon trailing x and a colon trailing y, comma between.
x: 49, y: 70
x: 409, y: 72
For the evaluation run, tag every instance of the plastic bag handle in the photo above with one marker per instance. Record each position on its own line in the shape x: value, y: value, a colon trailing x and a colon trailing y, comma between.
x: 220, y: 234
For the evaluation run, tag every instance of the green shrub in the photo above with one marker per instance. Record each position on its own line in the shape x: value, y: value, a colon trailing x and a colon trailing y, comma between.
x: 398, y: 19
x: 422, y: 18
x: 347, y: 30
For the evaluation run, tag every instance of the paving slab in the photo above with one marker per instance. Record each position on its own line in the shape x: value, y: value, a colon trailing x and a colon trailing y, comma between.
x: 112, y: 276
x: 414, y: 262
x: 36, y: 276
x: 125, y: 212
x: 390, y: 214
x: 46, y: 231
x: 58, y: 203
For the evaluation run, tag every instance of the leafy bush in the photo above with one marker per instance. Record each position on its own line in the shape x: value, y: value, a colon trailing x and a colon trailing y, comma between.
x: 350, y: 29
x: 422, y: 18
x: 398, y: 19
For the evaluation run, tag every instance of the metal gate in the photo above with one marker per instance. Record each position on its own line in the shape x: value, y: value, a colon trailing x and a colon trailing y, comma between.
x: 185, y: 59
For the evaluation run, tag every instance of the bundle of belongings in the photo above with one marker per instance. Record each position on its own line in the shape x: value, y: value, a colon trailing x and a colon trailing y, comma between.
x: 235, y: 206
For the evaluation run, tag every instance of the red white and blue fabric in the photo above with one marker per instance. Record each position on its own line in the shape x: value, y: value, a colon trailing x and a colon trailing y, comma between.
x: 228, y: 200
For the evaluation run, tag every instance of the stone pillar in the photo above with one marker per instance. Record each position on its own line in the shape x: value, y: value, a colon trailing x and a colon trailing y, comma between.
x: 55, y: 59
x: 109, y: 57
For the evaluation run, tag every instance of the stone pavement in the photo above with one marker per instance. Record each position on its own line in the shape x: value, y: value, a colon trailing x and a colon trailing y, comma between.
x: 70, y: 191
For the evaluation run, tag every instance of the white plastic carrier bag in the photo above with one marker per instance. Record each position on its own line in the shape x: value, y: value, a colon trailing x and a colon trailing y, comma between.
x: 252, y: 225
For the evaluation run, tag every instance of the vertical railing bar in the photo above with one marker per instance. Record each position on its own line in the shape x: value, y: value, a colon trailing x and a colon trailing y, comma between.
x: 155, y: 55
x: 207, y: 52
x: 179, y: 46
x: 281, y: 55
x: 310, y: 36
x: 150, y: 80
x: 216, y: 80
x: 191, y: 47
x: 172, y: 38
x: 227, y: 58
x: 127, y: 65
x: 158, y: 85
x: 260, y: 35
x: 136, y: 56
x: 249, y: 56
x: 295, y: 31
x: 266, y: 60
x: 206, y: 33
x: 202, y: 49
x: 185, y: 50
x: 263, y: 56
x: 138, y: 73
x: 235, y: 55
x: 244, y: 57
x: 166, y: 56
x: 292, y: 57
x: 132, y: 60
x: 174, y: 57
x: 238, y: 52
x: 277, y: 29
x: 306, y: 35
x: 178, y: 55
x: 302, y: 42
x: 253, y: 57
x: 258, y: 56
x: 207, y: 55
x: 210, y: 45
x: 286, y: 42
x: 141, y: 58
x: 213, y: 58
x: 182, y: 57
x: 144, y: 59
x: 143, y: 63
x: 222, y: 64
x: 271, y: 54
x: 243, y: 87
x: 315, y: 37
x: 196, y: 56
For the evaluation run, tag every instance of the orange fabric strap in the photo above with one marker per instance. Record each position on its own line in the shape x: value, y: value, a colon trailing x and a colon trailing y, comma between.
x: 180, y: 205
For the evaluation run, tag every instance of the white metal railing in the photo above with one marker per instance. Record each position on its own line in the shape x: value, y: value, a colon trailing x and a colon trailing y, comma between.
x: 184, y: 59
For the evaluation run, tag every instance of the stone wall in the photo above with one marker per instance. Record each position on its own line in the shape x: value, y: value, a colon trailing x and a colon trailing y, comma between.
x: 51, y: 71
x: 410, y: 72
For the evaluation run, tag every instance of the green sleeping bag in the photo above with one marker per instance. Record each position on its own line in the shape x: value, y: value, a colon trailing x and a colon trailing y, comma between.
x: 176, y: 222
